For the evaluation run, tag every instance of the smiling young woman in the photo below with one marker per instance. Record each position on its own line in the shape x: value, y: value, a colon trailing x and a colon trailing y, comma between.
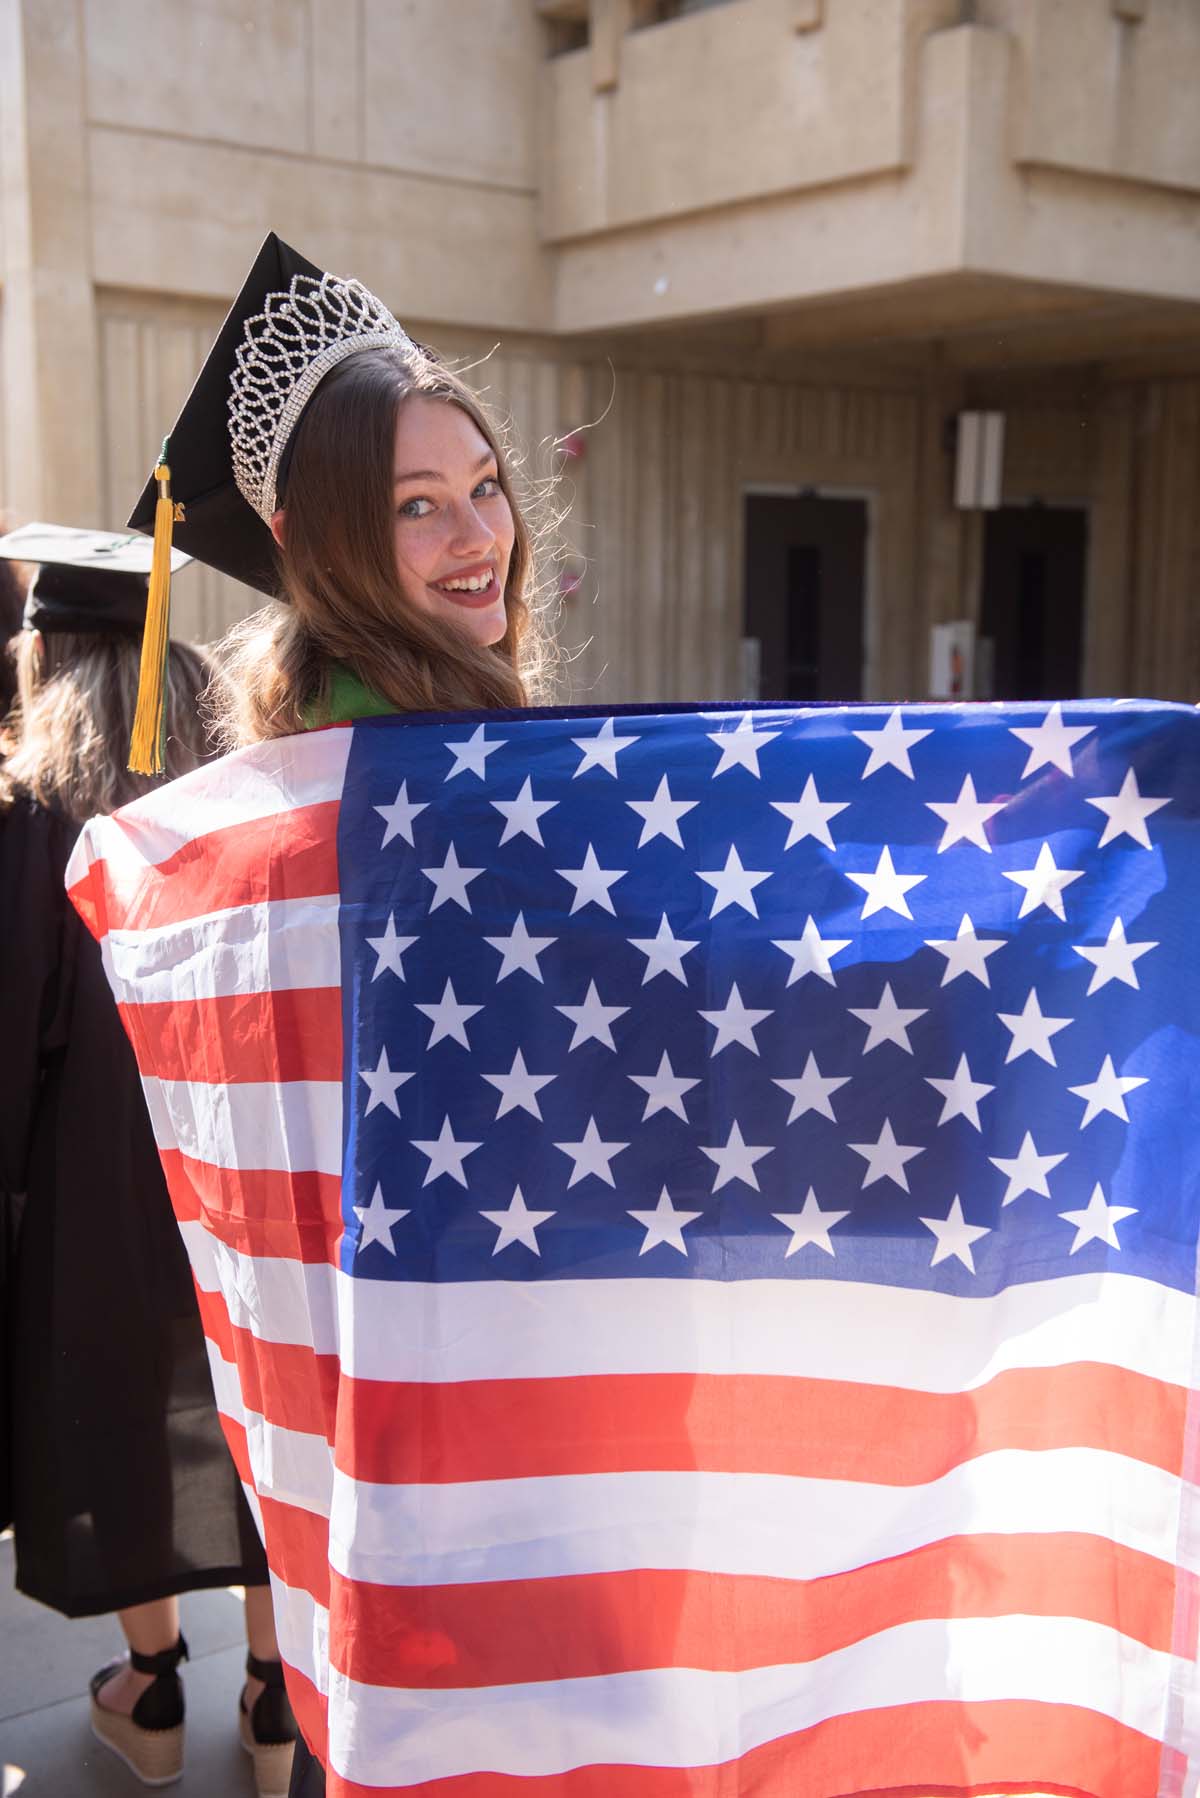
x: 404, y: 558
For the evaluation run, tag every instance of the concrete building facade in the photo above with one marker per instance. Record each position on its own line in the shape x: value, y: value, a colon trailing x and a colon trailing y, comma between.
x: 754, y: 259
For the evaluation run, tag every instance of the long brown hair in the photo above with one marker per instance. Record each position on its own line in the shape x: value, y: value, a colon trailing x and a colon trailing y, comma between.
x: 76, y: 695
x: 342, y: 601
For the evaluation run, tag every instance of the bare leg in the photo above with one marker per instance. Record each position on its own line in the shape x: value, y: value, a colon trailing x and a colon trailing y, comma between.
x: 260, y: 1635
x: 149, y: 1628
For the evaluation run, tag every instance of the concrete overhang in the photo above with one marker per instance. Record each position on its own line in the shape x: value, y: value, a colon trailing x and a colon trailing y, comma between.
x: 975, y: 239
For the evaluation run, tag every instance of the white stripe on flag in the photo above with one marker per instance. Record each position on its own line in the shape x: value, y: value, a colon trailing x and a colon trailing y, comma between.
x: 287, y: 1125
x: 265, y: 780
x: 774, y: 1525
x: 679, y: 1717
x: 275, y: 946
x: 498, y: 1330
x: 278, y: 1300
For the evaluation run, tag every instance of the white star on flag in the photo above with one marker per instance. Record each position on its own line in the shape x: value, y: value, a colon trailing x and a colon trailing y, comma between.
x: 448, y: 1017
x: 399, y: 816
x: 955, y: 1235
x: 885, y: 889
x: 382, y: 1084
x: 470, y: 757
x: 591, y: 883
x: 966, y: 953
x: 735, y: 1161
x: 809, y: 815
x: 450, y: 881
x: 521, y: 814
x: 377, y: 1221
x: 735, y: 1023
x: 664, y: 1090
x: 591, y: 1155
x: 811, y: 953
x: 446, y: 1155
x: 1113, y: 959
x: 810, y: 1226
x: 812, y: 1091
x: 664, y: 952
x: 602, y: 750
x: 886, y: 1022
x: 592, y: 1020
x: 961, y: 1094
x: 1050, y: 742
x: 733, y: 884
x: 890, y: 746
x: 1127, y: 812
x: 1026, y: 1170
x: 740, y: 747
x: 660, y: 816
x: 519, y: 952
x: 517, y: 1223
x: 1043, y: 883
x: 1098, y: 1221
x: 519, y: 1088
x: 1031, y: 1030
x: 885, y: 1158
x: 1107, y: 1092
x: 965, y: 817
x: 665, y: 1224
x: 388, y: 950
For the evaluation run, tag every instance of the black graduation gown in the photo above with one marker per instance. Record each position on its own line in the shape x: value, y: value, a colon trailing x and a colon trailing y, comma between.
x: 122, y: 1488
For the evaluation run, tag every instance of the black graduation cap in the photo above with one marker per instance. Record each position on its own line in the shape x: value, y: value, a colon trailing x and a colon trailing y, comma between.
x: 217, y: 483
x: 90, y: 581
x: 216, y: 525
x: 227, y: 461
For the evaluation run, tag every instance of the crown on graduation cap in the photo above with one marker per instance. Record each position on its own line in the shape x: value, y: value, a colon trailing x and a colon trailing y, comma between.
x: 287, y: 349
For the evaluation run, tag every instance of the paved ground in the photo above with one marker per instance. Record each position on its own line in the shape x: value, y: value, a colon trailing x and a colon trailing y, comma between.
x: 46, y: 1747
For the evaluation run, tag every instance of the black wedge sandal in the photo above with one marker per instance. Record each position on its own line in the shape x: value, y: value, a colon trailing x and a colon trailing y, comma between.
x: 267, y: 1729
x: 150, y: 1739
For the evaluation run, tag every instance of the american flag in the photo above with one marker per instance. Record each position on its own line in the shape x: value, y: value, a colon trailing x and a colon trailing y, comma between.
x: 695, y: 1217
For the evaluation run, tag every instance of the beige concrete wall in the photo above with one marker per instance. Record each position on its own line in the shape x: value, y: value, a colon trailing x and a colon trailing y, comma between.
x: 1105, y: 94
x: 394, y: 142
x: 730, y: 105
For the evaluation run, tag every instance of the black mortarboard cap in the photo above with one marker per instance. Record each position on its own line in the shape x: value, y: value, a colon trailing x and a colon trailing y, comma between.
x: 90, y: 581
x: 225, y: 468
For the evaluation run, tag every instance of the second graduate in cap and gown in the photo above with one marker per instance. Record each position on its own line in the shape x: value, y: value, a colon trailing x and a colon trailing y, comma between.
x: 123, y: 1492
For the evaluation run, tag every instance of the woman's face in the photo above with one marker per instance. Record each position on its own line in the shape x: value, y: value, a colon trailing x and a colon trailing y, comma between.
x: 454, y: 527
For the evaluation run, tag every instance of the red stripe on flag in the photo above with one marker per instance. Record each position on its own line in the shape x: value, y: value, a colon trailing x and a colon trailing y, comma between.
x: 311, y: 1714
x: 585, y: 1626
x: 284, y: 1382
x: 262, y: 1212
x: 297, y: 1544
x: 292, y: 1034
x: 288, y: 855
x: 826, y: 1429
x: 941, y: 1748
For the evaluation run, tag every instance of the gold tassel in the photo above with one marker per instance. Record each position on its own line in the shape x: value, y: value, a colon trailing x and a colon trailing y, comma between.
x: 148, y: 743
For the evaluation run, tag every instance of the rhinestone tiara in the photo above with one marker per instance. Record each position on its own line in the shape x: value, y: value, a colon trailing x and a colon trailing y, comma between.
x: 288, y: 347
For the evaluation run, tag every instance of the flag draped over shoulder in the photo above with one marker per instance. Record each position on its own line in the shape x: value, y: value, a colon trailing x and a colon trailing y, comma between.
x: 695, y: 1220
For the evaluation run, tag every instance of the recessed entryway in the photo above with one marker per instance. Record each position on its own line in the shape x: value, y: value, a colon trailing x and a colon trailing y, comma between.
x: 805, y: 575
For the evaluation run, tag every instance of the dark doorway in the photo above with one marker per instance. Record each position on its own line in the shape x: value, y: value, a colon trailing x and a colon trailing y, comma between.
x: 1034, y: 566
x: 805, y: 560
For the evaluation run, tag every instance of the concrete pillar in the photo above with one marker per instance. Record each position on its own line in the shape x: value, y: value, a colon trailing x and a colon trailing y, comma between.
x: 50, y: 361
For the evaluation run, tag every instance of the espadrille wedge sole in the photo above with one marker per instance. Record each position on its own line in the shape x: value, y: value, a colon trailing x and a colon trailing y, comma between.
x: 272, y: 1761
x: 154, y: 1755
x: 150, y: 1742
